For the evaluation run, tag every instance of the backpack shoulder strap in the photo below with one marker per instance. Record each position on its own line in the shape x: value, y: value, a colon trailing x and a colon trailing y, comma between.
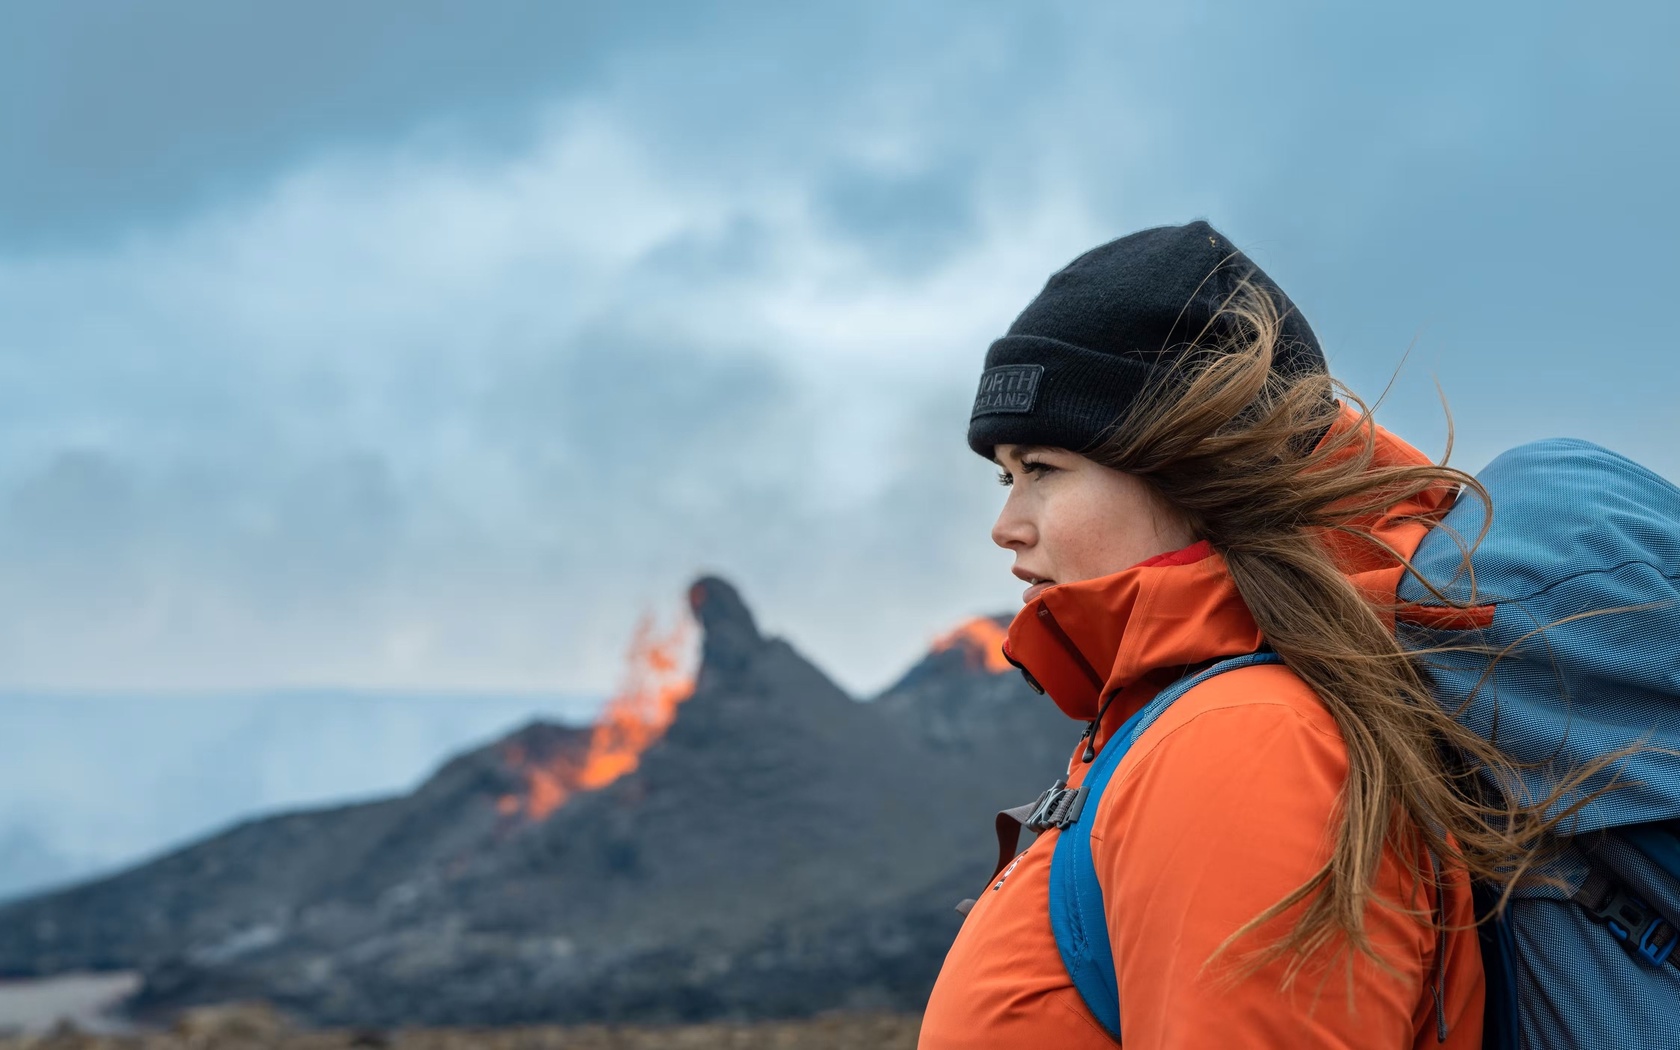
x: 1077, y: 915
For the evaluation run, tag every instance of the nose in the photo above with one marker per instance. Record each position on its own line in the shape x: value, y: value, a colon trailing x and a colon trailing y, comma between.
x: 1013, y: 529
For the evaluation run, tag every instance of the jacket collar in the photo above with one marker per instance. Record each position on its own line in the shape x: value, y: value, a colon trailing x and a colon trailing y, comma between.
x: 1128, y: 634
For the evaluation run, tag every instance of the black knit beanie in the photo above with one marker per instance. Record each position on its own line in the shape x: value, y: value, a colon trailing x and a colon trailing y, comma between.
x: 1109, y: 326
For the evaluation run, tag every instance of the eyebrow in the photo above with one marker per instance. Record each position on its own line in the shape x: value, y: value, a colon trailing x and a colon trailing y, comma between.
x: 1023, y: 450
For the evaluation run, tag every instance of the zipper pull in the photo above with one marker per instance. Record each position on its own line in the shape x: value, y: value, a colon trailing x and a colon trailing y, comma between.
x: 1091, y: 730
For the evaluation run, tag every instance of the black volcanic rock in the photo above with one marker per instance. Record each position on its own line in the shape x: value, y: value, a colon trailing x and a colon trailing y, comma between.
x: 955, y: 706
x: 783, y: 849
x: 730, y: 635
x: 238, y: 892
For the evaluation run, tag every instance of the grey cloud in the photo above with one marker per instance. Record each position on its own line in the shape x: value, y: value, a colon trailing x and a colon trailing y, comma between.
x: 71, y: 533
x: 742, y: 249
x: 910, y: 222
x: 172, y: 107
x: 356, y: 457
x: 322, y: 533
x: 141, y: 112
x: 81, y: 504
x: 616, y: 407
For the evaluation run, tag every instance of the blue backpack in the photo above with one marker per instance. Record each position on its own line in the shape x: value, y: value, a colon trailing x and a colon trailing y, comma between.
x: 1588, y: 966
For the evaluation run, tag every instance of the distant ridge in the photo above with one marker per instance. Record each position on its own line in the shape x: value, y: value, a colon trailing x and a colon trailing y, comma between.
x: 98, y: 782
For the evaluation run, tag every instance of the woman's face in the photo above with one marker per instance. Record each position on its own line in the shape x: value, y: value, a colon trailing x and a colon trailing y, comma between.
x: 1069, y: 518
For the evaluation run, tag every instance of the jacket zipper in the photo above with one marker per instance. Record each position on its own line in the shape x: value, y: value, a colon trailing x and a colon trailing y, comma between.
x: 1060, y: 635
x: 1096, y: 680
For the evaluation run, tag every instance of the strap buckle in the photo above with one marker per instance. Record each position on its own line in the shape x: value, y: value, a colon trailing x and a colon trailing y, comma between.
x: 1658, y: 943
x: 1058, y: 807
x: 1643, y: 932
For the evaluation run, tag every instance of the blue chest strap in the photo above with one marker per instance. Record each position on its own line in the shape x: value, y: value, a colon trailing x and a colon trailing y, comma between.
x: 1076, y: 903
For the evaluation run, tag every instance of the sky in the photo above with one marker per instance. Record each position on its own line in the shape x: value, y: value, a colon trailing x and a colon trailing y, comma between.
x: 431, y: 351
x: 425, y: 346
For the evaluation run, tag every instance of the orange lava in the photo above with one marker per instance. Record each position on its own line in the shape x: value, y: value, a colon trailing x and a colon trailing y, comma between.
x: 656, y: 682
x: 982, y: 639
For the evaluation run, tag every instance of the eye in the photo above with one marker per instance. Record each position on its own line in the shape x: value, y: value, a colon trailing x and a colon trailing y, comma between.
x: 1005, y: 478
x: 1035, y: 466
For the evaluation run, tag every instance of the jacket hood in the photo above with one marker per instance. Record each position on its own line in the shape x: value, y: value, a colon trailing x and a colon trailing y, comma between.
x: 1135, y: 630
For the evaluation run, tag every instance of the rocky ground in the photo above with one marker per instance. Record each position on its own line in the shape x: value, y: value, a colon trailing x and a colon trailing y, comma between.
x: 257, y: 1028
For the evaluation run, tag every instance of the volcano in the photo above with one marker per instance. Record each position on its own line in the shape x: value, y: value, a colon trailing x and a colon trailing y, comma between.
x: 746, y: 841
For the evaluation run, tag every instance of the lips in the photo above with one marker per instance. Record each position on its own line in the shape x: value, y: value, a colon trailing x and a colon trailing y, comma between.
x: 1038, y: 583
x: 1035, y: 590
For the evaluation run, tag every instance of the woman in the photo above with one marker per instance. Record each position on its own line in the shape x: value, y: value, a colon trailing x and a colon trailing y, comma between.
x: 1285, y: 855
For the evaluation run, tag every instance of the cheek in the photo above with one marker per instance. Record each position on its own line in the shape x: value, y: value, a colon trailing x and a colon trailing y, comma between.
x: 1103, y: 530
x: 1079, y: 536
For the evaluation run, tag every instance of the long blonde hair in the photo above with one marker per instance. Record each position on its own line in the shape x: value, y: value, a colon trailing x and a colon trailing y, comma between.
x: 1248, y: 456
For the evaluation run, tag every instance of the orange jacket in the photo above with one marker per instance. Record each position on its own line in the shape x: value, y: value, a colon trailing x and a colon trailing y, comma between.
x: 1219, y: 810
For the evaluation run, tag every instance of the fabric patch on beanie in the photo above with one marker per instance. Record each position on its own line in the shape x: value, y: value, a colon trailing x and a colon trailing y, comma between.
x: 1007, y: 388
